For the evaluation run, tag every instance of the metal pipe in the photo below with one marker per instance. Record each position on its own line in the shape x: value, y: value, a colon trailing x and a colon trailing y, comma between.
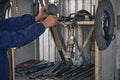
x: 86, y: 41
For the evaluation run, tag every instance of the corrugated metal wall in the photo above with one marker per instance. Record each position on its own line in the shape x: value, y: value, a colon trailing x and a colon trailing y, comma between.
x: 66, y: 7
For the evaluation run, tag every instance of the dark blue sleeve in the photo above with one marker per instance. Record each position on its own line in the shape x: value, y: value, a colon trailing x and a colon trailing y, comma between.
x: 20, y: 38
x: 17, y: 23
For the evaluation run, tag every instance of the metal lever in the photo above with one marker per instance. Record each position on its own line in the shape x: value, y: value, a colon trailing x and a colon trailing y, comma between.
x: 41, y: 2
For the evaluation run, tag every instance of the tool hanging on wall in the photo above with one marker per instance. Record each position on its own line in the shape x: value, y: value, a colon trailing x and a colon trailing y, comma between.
x: 104, y: 24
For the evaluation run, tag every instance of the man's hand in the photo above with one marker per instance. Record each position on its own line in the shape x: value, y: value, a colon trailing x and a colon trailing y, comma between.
x: 50, y: 21
x: 41, y: 13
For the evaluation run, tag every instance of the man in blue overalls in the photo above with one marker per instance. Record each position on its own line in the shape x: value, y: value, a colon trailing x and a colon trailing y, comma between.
x: 19, y: 31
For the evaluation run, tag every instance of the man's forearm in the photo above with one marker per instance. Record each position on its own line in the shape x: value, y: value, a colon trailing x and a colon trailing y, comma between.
x: 17, y: 23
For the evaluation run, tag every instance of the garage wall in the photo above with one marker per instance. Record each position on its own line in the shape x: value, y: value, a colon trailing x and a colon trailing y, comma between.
x: 118, y: 39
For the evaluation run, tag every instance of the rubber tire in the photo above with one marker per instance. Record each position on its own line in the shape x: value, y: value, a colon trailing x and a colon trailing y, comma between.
x: 102, y: 42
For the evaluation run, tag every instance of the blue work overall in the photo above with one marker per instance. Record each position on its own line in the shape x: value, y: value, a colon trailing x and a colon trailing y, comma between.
x: 16, y: 32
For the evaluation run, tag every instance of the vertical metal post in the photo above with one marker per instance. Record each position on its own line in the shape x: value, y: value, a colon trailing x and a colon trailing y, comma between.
x: 91, y: 6
x: 35, y: 12
x: 96, y: 52
x: 96, y: 62
x: 83, y: 4
x: 11, y: 61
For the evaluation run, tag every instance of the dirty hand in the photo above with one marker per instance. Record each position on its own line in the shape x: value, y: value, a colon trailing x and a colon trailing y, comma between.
x: 50, y: 21
x: 41, y: 13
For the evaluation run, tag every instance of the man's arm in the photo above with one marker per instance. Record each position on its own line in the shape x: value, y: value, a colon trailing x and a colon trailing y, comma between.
x: 20, y: 38
x: 17, y: 23
x: 21, y: 22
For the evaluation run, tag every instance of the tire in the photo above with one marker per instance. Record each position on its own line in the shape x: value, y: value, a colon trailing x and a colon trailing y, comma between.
x: 104, y: 34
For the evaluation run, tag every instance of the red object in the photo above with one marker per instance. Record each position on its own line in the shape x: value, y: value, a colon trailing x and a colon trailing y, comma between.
x: 27, y: 63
